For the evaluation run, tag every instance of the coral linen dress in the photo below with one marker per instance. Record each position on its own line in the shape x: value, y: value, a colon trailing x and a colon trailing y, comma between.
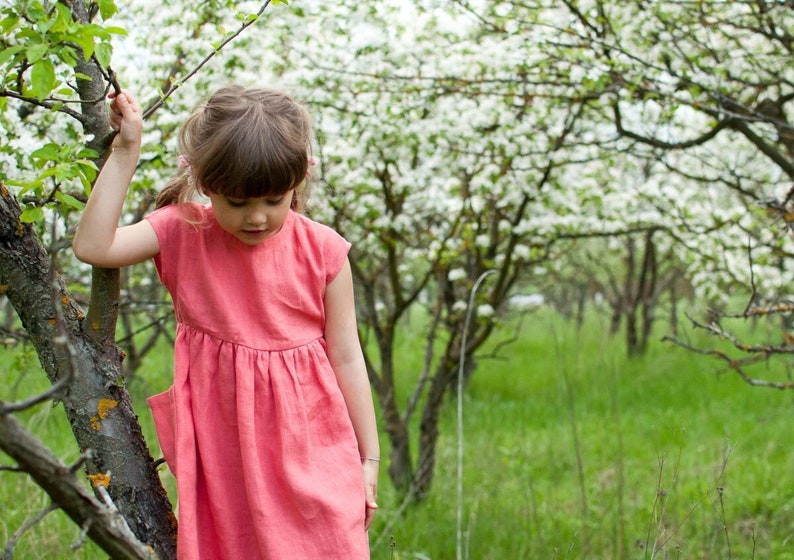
x: 254, y: 427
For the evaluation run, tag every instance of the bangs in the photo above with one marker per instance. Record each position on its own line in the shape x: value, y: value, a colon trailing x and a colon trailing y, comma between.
x: 251, y: 186
x: 261, y: 176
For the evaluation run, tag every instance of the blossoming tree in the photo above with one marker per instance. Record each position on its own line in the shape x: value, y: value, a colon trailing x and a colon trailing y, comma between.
x: 460, y: 144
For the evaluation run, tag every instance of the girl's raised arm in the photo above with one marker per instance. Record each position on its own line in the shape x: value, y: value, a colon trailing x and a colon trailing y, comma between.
x: 99, y: 240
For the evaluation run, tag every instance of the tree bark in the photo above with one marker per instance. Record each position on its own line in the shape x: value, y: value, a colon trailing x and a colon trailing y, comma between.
x: 96, y: 402
x: 428, y: 427
x: 104, y: 525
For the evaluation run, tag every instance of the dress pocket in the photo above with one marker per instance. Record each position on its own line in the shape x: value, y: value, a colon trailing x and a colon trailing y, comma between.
x: 163, y: 411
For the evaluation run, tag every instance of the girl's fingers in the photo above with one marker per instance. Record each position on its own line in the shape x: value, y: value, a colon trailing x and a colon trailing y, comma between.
x: 123, y: 106
x: 369, y: 514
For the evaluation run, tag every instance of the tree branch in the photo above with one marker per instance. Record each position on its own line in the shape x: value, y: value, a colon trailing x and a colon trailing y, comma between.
x: 106, y: 527
x: 177, y: 84
x: 47, y: 104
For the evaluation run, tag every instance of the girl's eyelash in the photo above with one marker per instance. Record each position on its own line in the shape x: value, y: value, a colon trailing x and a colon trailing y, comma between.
x: 241, y: 203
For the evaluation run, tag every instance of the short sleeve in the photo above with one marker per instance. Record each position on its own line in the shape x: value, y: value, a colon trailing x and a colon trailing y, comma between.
x: 336, y: 253
x: 322, y: 247
x: 172, y: 224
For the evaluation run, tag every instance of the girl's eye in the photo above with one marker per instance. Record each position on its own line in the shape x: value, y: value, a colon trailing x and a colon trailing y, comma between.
x: 236, y: 203
x: 275, y: 201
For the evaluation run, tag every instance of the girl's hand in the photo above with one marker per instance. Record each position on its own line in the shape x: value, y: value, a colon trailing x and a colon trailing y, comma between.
x: 126, y: 118
x: 371, y: 488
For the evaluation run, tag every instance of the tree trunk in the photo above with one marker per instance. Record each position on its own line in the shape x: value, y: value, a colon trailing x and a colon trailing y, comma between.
x: 650, y: 279
x: 630, y: 298
x: 95, y: 401
x: 395, y: 426
x: 428, y: 427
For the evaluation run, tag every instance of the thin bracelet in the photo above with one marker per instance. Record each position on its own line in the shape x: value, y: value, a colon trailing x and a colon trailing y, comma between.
x: 370, y: 459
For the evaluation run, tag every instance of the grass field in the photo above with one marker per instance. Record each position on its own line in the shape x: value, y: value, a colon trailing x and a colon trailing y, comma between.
x: 571, y: 450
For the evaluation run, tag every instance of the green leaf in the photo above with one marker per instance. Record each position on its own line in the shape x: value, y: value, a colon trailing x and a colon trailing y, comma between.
x: 115, y: 30
x: 104, y: 52
x: 31, y: 214
x: 48, y: 152
x: 69, y: 200
x: 36, y: 52
x: 8, y: 23
x: 87, y: 153
x: 42, y: 78
x: 27, y: 33
x: 68, y: 56
x: 107, y: 8
x: 86, y: 42
x: 9, y: 53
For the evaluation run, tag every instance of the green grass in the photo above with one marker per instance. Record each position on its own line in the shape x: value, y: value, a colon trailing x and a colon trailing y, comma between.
x: 571, y: 450
x: 574, y: 451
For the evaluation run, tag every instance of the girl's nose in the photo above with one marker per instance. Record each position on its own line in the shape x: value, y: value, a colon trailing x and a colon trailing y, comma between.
x: 257, y: 215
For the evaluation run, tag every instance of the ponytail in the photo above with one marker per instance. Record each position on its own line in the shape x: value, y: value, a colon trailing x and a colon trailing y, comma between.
x: 174, y: 192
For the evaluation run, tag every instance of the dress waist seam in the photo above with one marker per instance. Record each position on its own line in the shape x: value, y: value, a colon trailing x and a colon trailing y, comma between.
x: 292, y: 346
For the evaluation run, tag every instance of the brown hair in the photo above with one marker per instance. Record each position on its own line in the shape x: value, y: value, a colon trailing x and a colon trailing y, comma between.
x: 243, y: 143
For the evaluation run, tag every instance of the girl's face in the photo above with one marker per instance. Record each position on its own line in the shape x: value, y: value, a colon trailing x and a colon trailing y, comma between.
x: 251, y: 220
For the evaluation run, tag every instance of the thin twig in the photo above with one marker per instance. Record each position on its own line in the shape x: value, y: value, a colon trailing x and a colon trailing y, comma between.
x: 177, y: 84
x: 8, y: 553
x: 754, y: 292
x: 659, y: 494
x: 47, y: 104
x: 17, y: 406
x: 80, y: 540
x: 736, y: 365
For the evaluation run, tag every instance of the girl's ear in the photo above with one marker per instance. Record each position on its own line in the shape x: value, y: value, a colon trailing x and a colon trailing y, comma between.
x: 295, y: 201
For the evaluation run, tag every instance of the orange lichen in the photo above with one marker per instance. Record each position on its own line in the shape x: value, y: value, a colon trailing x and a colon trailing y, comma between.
x: 4, y: 190
x: 96, y: 325
x: 3, y: 288
x: 65, y: 300
x: 105, y: 406
x: 51, y: 322
x: 99, y: 479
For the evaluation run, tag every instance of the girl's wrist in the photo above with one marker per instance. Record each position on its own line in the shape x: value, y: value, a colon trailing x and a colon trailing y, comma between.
x: 373, y: 459
x: 127, y: 152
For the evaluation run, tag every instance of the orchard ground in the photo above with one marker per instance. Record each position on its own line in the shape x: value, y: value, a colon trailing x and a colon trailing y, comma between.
x: 570, y: 450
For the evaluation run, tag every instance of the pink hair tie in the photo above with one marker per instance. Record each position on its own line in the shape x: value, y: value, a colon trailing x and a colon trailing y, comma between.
x: 312, y: 163
x: 182, y: 162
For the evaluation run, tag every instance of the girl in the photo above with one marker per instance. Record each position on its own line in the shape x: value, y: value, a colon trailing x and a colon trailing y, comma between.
x: 269, y: 426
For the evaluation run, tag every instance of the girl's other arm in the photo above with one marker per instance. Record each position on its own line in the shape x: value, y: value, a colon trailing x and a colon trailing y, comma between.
x: 344, y: 352
x: 99, y: 240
